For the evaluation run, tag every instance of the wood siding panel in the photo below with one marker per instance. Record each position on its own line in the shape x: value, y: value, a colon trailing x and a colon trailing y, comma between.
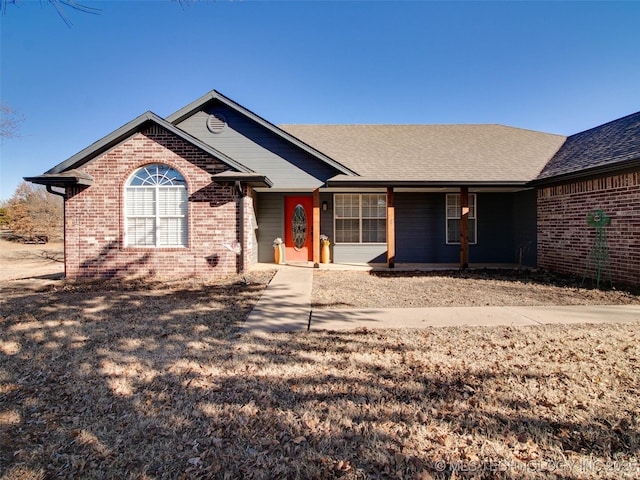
x: 326, y: 220
x: 360, y: 253
x: 495, y: 229
x: 525, y: 227
x: 270, y: 216
x: 421, y: 229
x: 287, y: 166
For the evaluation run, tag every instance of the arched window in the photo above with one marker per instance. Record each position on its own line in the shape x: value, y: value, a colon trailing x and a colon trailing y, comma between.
x: 156, y: 208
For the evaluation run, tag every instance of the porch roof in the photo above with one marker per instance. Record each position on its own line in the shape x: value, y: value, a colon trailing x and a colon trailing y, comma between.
x: 249, y: 178
x: 433, y: 154
x: 63, y: 179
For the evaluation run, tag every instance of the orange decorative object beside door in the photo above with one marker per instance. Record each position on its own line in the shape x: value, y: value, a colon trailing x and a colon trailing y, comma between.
x: 298, y: 218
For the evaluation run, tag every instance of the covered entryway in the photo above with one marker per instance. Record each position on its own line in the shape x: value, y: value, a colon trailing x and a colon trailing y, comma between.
x: 298, y: 217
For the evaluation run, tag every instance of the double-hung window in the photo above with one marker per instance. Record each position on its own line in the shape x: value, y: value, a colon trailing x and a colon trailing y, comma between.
x: 156, y: 208
x: 453, y: 218
x: 360, y: 218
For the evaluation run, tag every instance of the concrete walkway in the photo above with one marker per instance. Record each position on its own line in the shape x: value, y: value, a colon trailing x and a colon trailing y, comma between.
x: 285, y: 306
x: 471, y: 316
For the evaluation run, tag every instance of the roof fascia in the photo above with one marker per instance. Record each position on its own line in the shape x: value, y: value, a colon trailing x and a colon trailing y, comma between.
x: 588, y: 172
x: 364, y: 183
x: 62, y: 180
x: 252, y: 179
x: 215, y: 95
x: 132, y: 127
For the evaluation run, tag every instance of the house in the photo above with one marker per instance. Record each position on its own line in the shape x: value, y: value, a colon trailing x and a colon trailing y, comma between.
x: 174, y: 196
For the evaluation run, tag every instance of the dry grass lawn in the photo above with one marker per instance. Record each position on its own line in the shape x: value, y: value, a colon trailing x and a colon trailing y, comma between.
x: 153, y: 381
x: 353, y: 289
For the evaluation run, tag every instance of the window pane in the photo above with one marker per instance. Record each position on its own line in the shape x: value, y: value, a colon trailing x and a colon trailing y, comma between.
x: 347, y: 231
x: 140, y: 202
x: 141, y: 231
x: 173, y: 232
x: 347, y: 206
x: 374, y: 206
x: 172, y: 201
x: 374, y: 231
x: 157, y: 175
x: 453, y: 231
x: 472, y: 231
x: 453, y: 206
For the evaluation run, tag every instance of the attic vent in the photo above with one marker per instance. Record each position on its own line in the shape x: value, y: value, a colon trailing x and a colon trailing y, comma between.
x: 216, y: 123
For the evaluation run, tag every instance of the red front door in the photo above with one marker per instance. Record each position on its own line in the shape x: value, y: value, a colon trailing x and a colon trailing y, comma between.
x: 298, y: 219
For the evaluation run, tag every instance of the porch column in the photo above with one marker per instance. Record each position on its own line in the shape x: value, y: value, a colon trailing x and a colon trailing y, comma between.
x: 316, y: 228
x: 391, y: 229
x: 464, y: 227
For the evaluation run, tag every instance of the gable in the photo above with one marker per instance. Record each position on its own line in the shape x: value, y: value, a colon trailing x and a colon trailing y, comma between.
x: 613, y: 145
x: 287, y: 163
x: 60, y: 176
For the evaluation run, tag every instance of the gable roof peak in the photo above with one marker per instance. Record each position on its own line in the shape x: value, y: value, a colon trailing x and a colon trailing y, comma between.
x: 198, y: 104
x: 128, y: 129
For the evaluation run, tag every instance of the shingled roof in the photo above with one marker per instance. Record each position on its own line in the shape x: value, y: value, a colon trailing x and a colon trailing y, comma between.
x: 611, y: 146
x: 471, y: 154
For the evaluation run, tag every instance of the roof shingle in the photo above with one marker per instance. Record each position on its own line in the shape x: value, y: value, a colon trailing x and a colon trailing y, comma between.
x: 435, y: 153
x: 609, y: 145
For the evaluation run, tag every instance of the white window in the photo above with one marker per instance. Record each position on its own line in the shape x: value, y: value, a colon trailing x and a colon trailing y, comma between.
x: 360, y: 218
x: 156, y: 208
x: 453, y: 218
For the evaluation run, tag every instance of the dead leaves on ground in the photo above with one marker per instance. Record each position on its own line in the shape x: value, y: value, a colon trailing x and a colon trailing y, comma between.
x: 100, y: 388
x: 355, y: 289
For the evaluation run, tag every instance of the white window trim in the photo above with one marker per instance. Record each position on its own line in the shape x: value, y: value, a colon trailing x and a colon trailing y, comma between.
x: 359, y: 218
x: 157, y: 217
x: 473, y: 218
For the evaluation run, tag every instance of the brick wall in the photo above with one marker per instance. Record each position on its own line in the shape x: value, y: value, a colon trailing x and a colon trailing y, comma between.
x: 564, y: 238
x: 95, y: 224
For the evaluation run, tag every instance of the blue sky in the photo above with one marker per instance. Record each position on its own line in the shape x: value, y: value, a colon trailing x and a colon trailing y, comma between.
x: 550, y: 66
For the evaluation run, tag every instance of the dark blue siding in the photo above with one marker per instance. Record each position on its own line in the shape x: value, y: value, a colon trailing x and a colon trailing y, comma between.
x: 506, y: 221
x: 326, y: 218
x: 252, y: 145
x: 525, y: 225
x: 270, y: 216
x: 495, y: 229
x: 420, y: 229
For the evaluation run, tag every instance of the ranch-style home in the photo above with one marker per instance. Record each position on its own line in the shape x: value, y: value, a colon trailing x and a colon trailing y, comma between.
x: 207, y: 190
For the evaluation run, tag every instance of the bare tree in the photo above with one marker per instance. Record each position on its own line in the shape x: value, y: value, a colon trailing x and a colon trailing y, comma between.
x: 59, y: 5
x: 9, y: 121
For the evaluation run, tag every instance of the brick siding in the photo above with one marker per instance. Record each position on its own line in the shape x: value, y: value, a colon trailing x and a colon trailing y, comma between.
x: 564, y: 238
x: 95, y: 224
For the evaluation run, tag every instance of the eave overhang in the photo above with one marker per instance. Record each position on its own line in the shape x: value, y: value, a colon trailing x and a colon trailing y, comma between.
x: 599, y: 170
x: 361, y: 182
x: 255, y: 180
x: 65, y: 179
